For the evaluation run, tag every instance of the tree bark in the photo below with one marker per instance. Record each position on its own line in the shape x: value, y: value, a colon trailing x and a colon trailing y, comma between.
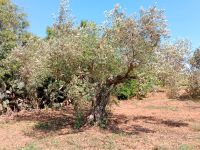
x: 98, y: 112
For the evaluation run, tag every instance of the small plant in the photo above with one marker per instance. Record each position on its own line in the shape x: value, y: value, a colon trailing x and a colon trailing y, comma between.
x: 55, y: 142
x: 79, y: 120
x: 30, y: 147
x: 43, y: 126
x: 186, y: 147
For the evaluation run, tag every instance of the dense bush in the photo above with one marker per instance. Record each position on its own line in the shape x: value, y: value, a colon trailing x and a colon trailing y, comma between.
x: 13, y: 95
x: 13, y: 24
x: 51, y: 93
x: 138, y: 88
x: 126, y: 90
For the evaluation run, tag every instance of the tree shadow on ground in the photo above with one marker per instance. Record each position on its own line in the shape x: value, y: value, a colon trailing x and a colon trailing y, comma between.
x: 49, y: 122
x: 122, y: 124
x: 187, y: 97
x: 153, y: 120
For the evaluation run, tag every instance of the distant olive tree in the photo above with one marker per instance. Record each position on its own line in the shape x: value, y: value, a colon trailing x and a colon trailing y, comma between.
x: 13, y: 26
x: 195, y: 60
x: 194, y: 78
x: 171, y: 66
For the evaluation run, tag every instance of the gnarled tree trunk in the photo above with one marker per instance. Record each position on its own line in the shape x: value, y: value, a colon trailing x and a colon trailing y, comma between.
x: 98, y: 112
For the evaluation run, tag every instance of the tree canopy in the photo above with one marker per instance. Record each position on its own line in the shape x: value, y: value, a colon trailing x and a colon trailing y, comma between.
x: 12, y: 27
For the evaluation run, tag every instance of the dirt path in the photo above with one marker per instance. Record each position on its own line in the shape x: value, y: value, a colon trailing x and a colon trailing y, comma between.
x: 154, y: 123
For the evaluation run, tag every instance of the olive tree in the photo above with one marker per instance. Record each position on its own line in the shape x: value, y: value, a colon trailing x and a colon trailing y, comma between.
x: 127, y: 43
x: 121, y: 46
x: 171, y: 65
x: 195, y: 60
x: 194, y: 78
x: 102, y: 56
x: 12, y: 27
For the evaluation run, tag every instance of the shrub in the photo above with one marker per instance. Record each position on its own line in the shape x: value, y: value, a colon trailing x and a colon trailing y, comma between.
x: 81, y: 92
x: 51, y: 93
x: 126, y: 90
x: 14, y: 96
x: 79, y: 120
x: 146, y: 83
x: 140, y: 87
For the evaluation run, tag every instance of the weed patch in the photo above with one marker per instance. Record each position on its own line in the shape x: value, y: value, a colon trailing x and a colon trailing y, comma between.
x: 171, y: 108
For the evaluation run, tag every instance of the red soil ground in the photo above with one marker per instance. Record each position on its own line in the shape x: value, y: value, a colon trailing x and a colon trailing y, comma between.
x: 153, y: 123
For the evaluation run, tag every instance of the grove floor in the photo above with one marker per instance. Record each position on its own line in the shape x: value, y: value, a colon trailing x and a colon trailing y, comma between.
x: 155, y: 123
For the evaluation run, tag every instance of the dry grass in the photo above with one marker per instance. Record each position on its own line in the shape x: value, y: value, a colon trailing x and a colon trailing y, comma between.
x: 196, y: 127
x: 172, y: 108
